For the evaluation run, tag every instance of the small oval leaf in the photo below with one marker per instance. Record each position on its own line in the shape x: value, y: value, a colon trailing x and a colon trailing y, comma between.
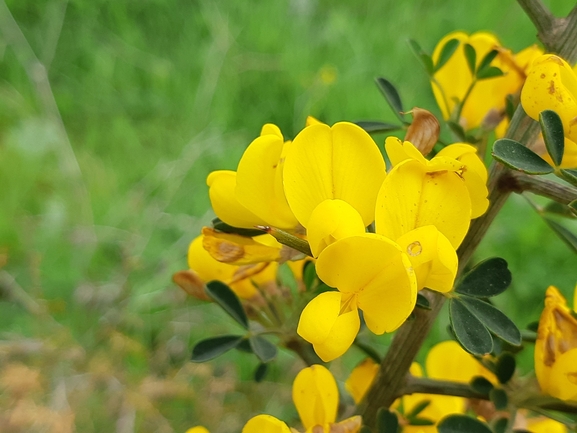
x: 374, y: 127
x: 462, y: 424
x: 469, y: 330
x: 260, y: 372
x: 486, y: 61
x: 446, y: 53
x: 489, y: 72
x: 499, y: 398
x: 481, y: 385
x: 210, y: 348
x: 392, y: 97
x: 263, y: 349
x: 423, y: 302
x: 471, y: 56
x: 500, y: 425
x: 552, y: 129
x: 516, y: 156
x: 228, y: 301
x: 488, y: 278
x: 505, y: 367
x: 496, y: 321
x: 221, y: 226
x: 564, y: 234
x: 387, y: 421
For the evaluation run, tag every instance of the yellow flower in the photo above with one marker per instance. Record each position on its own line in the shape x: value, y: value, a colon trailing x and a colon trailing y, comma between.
x: 556, y: 348
x: 361, y: 379
x: 552, y: 85
x: 197, y: 429
x: 339, y: 162
x: 316, y: 397
x: 372, y: 274
x: 545, y: 425
x: 487, y: 97
x: 239, y: 278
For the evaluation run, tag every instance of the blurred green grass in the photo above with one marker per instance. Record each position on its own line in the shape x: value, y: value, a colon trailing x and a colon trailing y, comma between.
x: 104, y: 190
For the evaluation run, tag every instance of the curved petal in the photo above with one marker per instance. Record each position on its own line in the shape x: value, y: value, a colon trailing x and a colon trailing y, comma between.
x: 432, y: 256
x: 271, y: 129
x: 399, y: 151
x: 552, y: 85
x: 341, y: 336
x: 543, y: 424
x: 361, y: 379
x: 265, y: 424
x: 563, y: 377
x: 330, y: 221
x: 222, y: 184
x: 316, y: 396
x: 319, y: 316
x: 411, y: 197
x: 197, y: 429
x: 259, y: 181
x: 448, y: 361
x: 467, y: 154
x: 240, y: 250
x: 342, y: 162
x: 206, y: 267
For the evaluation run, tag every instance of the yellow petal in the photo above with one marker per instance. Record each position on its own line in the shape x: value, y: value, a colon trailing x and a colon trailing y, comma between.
x: 197, y: 429
x: 342, y: 162
x: 399, y: 151
x: 319, y: 316
x: 361, y: 379
x: 563, y: 377
x: 271, y: 129
x: 467, y: 154
x: 349, y: 425
x: 432, y: 256
x: 207, y: 268
x: 222, y: 184
x: 375, y: 268
x: 259, y: 181
x: 552, y: 85
x: 340, y: 338
x: 411, y: 197
x: 330, y: 221
x: 448, y: 361
x: 545, y: 425
x: 265, y: 424
x: 316, y: 396
x: 313, y: 121
x: 240, y: 250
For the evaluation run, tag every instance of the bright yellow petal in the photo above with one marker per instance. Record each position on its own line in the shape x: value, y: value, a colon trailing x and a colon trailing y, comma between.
x: 361, y: 379
x: 265, y: 424
x: 432, y: 256
x: 197, y: 429
x: 259, y: 182
x: 330, y: 221
x: 411, y: 197
x: 375, y: 268
x: 316, y: 396
x: 467, y: 154
x: 342, y: 162
x: 222, y: 184
x: 449, y: 361
x: 552, y: 85
x: 207, y: 268
x: 319, y: 316
x: 313, y: 121
x: 563, y: 377
x: 271, y: 129
x: 240, y: 250
x: 399, y: 151
x: 341, y: 337
x: 545, y: 425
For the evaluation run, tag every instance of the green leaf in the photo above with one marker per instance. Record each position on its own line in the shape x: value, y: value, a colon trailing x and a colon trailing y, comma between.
x: 210, y: 348
x: 489, y: 72
x: 488, y: 278
x: 505, y: 367
x: 500, y: 425
x: 471, y: 56
x: 228, y: 301
x: 481, y: 385
x: 462, y: 424
x: 244, y: 346
x: 368, y: 350
x: 564, y: 234
x: 423, y: 57
x: 419, y: 407
x: 374, y: 127
x: 569, y: 175
x: 446, y: 53
x: 516, y: 156
x: 486, y: 61
x: 499, y: 398
x: 497, y: 322
x: 260, y: 372
x: 392, y: 97
x: 423, y: 302
x: 309, y: 275
x: 387, y: 421
x: 221, y: 226
x: 262, y: 348
x: 573, y: 207
x: 509, y: 106
x: 552, y: 129
x: 470, y: 332
x: 421, y: 421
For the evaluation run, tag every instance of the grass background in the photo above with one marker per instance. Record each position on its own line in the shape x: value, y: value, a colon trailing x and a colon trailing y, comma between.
x: 112, y: 113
